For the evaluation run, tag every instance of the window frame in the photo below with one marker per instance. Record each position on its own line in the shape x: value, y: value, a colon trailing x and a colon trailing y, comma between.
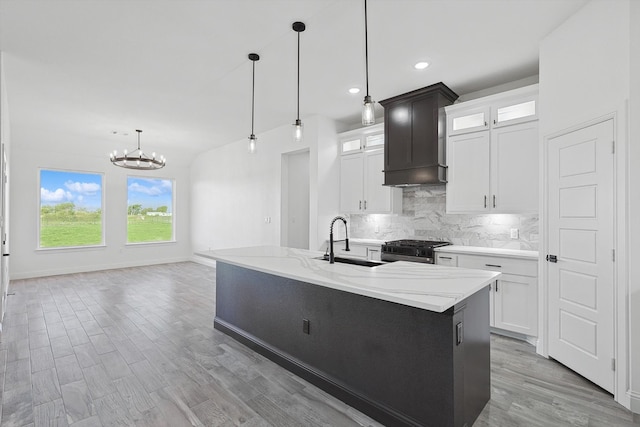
x: 103, y: 235
x: 173, y: 212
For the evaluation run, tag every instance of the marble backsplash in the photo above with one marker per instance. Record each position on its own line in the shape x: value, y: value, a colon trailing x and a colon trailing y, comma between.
x: 423, y: 217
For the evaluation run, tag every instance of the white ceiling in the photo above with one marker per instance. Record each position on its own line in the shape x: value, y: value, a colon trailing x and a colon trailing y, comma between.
x: 179, y: 70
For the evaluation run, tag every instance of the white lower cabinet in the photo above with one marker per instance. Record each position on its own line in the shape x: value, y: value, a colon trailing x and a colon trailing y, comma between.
x: 361, y: 250
x: 514, y: 296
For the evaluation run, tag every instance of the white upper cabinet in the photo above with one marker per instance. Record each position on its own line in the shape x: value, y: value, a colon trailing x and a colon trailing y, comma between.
x: 468, y: 187
x: 468, y: 120
x: 493, y: 165
x: 515, y: 110
x: 361, y: 174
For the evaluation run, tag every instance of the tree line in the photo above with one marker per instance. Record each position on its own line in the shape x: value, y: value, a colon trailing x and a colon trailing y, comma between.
x: 137, y: 209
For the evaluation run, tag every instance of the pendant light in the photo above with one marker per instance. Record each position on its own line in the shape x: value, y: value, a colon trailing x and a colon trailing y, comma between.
x: 252, y: 138
x: 298, y: 27
x: 137, y: 159
x: 368, y: 112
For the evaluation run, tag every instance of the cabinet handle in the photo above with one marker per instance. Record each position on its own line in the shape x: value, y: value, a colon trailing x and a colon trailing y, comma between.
x: 485, y: 124
x: 494, y: 200
x: 445, y: 257
x: 365, y: 205
x: 494, y: 122
x: 493, y: 265
x: 485, y: 202
x: 360, y: 205
x: 496, y: 286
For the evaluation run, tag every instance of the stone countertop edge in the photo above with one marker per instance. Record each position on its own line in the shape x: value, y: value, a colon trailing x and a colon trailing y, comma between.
x: 478, y: 250
x: 426, y: 286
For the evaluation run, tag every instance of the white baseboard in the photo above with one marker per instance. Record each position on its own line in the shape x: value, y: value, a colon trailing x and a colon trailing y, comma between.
x: 90, y: 268
x: 634, y: 401
x: 203, y: 260
x: 531, y: 340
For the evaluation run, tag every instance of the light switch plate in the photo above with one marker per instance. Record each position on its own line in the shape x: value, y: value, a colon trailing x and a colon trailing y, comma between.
x: 515, y: 233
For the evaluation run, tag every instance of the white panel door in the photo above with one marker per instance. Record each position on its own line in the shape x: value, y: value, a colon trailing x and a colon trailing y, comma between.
x: 581, y: 291
x: 468, y: 173
x: 514, y: 154
x: 4, y: 230
x: 377, y: 196
x: 351, y: 183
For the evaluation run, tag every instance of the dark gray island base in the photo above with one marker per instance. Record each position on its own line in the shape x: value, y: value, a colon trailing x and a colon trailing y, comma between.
x: 401, y: 365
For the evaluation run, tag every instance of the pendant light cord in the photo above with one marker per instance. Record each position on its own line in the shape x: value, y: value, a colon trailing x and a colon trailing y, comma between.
x: 366, y: 47
x: 298, y: 115
x: 253, y: 93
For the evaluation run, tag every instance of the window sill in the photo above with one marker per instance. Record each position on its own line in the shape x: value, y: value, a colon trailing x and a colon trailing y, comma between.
x: 71, y: 248
x: 165, y: 242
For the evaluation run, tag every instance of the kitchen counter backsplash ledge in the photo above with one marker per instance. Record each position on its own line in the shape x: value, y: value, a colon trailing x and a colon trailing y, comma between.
x: 424, y: 217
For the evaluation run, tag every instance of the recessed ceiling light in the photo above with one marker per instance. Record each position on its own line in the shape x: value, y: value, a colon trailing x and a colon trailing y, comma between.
x: 354, y: 90
x: 421, y: 65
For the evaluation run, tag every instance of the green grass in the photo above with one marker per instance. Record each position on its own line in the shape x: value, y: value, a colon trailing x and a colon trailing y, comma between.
x: 62, y: 234
x: 59, y: 234
x: 149, y: 228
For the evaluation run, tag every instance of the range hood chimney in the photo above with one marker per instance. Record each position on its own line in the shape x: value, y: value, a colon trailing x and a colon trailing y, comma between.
x: 414, y: 136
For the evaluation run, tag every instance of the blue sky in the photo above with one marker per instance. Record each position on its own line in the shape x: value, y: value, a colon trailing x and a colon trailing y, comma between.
x: 150, y: 192
x: 82, y: 189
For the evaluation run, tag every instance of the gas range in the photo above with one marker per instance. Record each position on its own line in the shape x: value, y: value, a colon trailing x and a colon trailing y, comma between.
x: 411, y: 250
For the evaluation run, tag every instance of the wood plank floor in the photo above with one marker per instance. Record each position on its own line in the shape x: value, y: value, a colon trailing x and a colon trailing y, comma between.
x: 136, y: 347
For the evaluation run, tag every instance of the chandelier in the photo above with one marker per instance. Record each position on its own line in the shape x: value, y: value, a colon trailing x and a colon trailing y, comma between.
x: 137, y: 159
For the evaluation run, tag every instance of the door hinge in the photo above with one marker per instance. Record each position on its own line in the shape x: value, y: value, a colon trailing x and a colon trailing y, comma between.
x: 613, y: 364
x: 613, y: 255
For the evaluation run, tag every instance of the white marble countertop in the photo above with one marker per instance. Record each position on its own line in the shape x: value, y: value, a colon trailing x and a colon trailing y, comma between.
x: 477, y: 250
x: 426, y: 286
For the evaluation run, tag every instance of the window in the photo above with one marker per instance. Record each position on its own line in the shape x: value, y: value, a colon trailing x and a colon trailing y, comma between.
x: 149, y: 210
x: 70, y: 209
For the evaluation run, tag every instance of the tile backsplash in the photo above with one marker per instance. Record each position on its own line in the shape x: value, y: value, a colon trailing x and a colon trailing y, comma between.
x: 423, y: 217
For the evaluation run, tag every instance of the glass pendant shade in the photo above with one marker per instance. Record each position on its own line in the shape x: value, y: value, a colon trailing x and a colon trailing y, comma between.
x: 298, y: 131
x: 368, y: 112
x: 253, y: 147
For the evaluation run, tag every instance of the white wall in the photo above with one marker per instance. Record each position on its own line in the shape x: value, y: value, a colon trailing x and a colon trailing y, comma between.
x: 233, y: 192
x: 585, y: 74
x: 634, y: 208
x: 27, y: 261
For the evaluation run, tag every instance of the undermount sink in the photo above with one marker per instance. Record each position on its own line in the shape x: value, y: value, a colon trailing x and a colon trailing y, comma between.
x: 361, y: 262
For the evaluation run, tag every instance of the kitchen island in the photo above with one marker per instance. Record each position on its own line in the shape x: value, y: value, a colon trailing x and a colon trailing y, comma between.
x: 406, y: 343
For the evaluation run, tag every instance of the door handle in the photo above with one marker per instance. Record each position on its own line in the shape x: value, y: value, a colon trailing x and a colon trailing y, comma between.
x: 494, y: 200
x: 360, y: 205
x: 5, y: 254
x: 552, y: 258
x: 365, y: 205
x: 485, y: 202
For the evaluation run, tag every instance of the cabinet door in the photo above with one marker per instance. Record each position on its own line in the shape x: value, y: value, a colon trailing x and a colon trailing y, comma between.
x: 468, y: 120
x: 516, y: 304
x: 351, y: 183
x: 468, y: 173
x: 377, y: 197
x: 515, y: 110
x: 514, y: 159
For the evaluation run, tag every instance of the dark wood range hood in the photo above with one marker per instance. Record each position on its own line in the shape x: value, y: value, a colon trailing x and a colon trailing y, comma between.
x: 414, y: 136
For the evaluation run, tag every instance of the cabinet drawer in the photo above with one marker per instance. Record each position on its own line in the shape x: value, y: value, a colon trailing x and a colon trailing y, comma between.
x: 450, y: 260
x: 504, y: 265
